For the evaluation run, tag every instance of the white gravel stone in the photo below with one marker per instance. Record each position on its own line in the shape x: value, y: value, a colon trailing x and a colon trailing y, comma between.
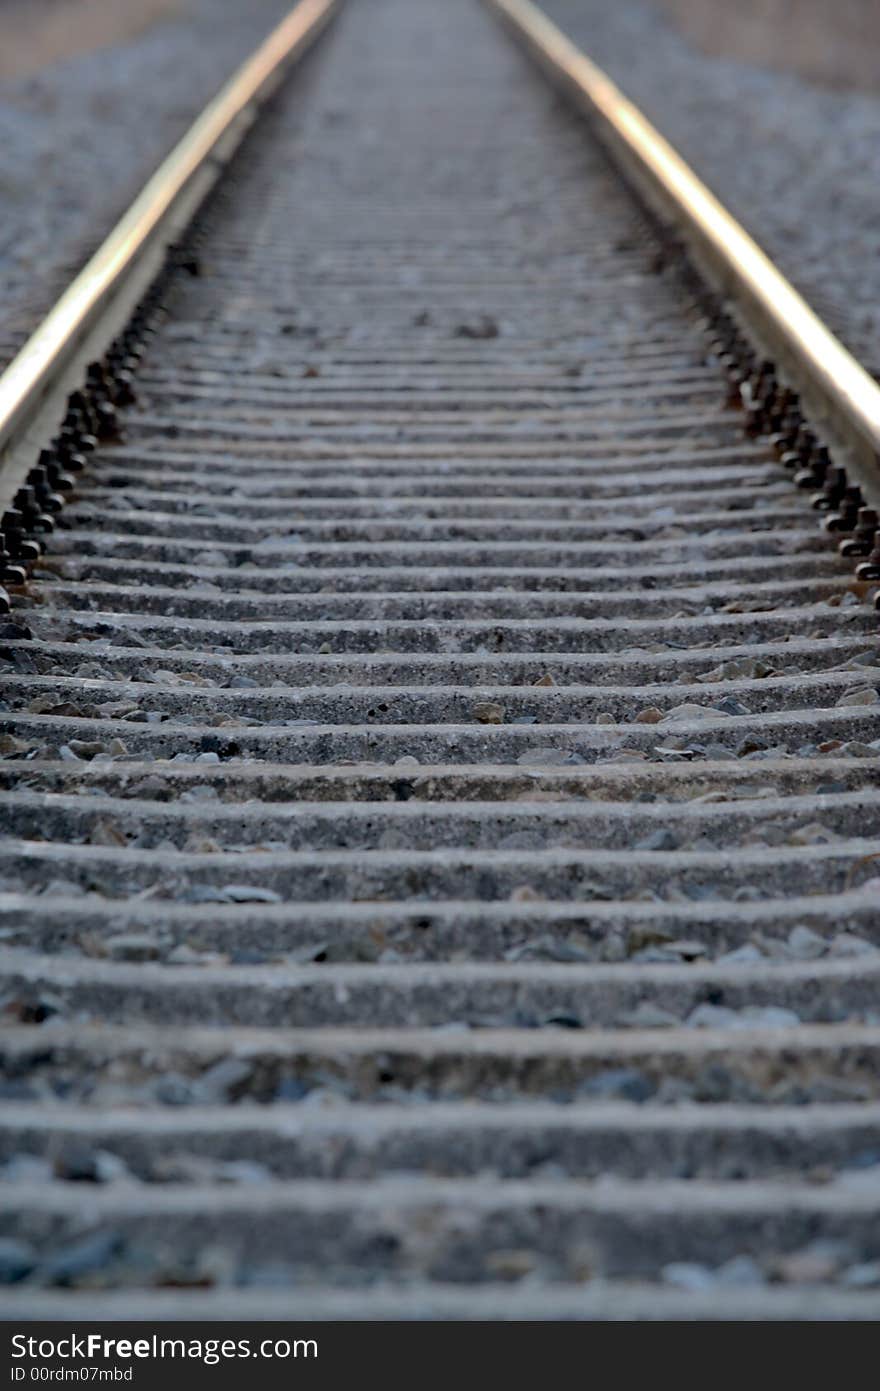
x: 866, y: 695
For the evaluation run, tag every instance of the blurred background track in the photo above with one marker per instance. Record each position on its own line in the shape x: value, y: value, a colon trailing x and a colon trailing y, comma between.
x: 88, y: 106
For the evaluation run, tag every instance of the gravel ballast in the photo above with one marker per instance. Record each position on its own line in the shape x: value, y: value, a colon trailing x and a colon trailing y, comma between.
x: 78, y: 139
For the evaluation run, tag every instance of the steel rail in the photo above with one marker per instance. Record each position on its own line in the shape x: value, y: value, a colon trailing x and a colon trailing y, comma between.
x: 839, y: 394
x: 183, y: 177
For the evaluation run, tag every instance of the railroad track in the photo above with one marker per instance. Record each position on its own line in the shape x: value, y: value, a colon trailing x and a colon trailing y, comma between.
x: 440, y: 751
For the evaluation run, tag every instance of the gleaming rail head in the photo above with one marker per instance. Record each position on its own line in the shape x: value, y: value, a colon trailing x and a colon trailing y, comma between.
x: 111, y: 282
x: 840, y: 396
